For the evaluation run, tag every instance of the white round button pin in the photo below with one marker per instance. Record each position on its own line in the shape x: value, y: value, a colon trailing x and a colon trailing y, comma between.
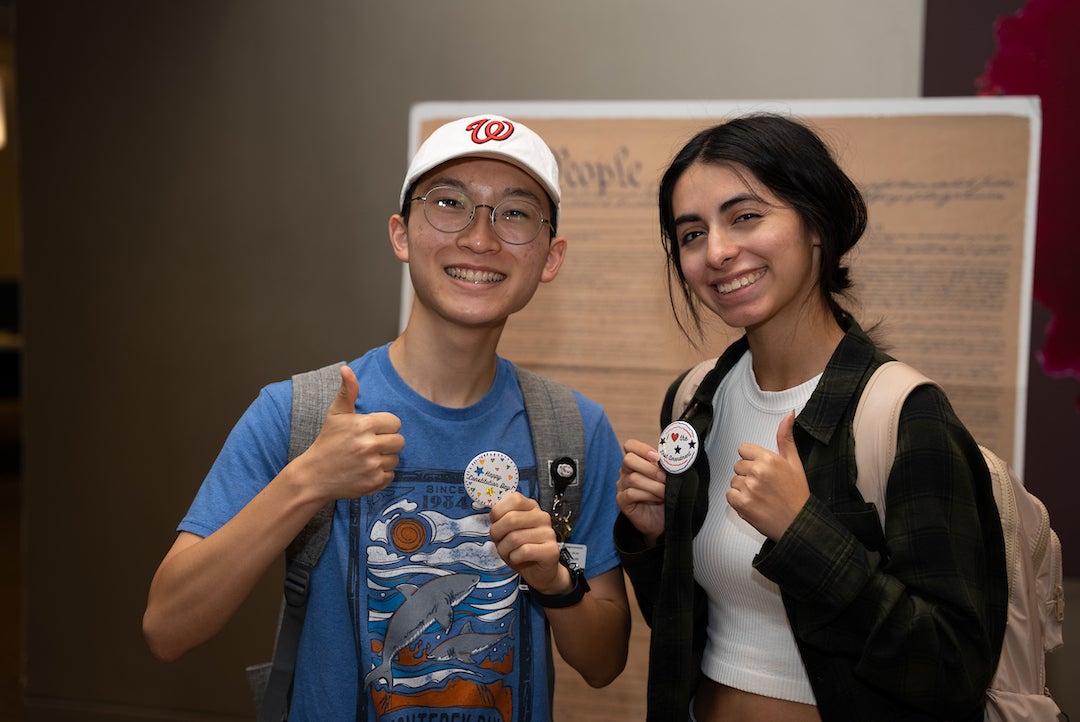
x: 490, y: 476
x: 678, y: 447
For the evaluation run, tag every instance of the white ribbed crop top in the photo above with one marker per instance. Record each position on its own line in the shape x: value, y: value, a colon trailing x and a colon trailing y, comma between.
x: 750, y: 645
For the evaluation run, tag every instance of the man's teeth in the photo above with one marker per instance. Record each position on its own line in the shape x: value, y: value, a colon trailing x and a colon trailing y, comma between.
x: 473, y: 276
x: 740, y: 282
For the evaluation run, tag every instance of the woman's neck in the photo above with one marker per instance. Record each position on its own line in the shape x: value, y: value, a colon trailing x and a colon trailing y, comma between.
x: 786, y: 357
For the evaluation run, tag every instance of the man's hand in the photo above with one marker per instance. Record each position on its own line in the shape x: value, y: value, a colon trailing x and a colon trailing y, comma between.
x: 525, y: 540
x: 354, y: 454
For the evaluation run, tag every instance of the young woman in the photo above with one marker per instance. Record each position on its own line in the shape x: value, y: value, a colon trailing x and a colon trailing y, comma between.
x: 770, y: 588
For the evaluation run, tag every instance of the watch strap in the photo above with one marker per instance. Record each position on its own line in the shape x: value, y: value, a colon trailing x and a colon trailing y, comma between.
x: 566, y: 599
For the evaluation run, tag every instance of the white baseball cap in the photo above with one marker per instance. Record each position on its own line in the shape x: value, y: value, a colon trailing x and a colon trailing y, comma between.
x: 487, y: 136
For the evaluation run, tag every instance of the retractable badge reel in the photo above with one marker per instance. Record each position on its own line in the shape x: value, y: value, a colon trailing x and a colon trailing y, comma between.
x: 563, y: 473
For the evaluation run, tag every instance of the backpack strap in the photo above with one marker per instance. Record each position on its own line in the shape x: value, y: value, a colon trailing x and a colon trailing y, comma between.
x: 313, y: 392
x: 558, y: 438
x: 875, y: 427
x: 690, y: 398
x: 682, y: 391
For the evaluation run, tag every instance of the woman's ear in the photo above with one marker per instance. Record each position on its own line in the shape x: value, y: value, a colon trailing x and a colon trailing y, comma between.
x: 399, y: 237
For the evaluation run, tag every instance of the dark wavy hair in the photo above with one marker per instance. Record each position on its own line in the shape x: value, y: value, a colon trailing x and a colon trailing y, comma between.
x: 789, y: 159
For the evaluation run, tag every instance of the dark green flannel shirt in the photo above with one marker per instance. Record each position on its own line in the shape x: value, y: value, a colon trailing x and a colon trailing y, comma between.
x: 901, y: 625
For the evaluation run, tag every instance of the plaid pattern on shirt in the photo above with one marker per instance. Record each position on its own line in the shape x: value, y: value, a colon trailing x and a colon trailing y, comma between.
x: 901, y: 625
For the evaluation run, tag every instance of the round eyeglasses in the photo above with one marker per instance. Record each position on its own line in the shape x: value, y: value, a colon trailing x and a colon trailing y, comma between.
x: 516, y: 221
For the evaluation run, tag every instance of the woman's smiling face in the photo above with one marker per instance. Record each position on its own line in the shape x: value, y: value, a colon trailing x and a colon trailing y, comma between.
x: 745, y: 254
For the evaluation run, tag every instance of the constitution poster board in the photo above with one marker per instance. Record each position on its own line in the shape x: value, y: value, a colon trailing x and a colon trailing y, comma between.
x: 945, y: 265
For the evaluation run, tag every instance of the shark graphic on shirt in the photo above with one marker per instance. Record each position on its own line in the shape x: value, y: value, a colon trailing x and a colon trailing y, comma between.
x: 433, y: 601
x: 465, y: 645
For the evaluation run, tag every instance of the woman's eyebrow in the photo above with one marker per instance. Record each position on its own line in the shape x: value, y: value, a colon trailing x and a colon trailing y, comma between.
x: 743, y: 198
x: 724, y: 207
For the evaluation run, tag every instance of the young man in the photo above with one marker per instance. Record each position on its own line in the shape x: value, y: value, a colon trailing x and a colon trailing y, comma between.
x: 418, y: 602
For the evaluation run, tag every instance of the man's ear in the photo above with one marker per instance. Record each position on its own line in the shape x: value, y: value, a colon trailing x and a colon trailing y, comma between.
x: 399, y: 237
x: 555, y: 255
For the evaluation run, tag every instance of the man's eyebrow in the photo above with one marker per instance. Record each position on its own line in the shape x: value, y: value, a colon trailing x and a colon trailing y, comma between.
x: 524, y: 193
x: 446, y: 181
x: 515, y: 191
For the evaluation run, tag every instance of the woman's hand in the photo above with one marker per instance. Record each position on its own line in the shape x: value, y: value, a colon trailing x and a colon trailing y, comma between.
x: 640, y: 489
x: 768, y: 490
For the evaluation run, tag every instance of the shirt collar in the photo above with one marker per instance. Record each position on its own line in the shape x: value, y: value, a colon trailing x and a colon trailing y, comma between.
x: 844, y: 376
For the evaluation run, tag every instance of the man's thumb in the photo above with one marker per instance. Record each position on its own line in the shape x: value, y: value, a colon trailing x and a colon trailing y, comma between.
x: 785, y: 437
x: 345, y: 401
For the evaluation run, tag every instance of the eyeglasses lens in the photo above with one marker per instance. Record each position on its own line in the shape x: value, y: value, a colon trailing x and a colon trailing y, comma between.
x: 515, y: 220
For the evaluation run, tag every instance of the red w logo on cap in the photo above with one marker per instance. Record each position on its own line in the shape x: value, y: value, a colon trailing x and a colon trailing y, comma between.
x: 487, y: 129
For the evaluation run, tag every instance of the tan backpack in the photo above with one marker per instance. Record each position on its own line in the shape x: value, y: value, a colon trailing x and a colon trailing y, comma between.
x: 1032, y: 550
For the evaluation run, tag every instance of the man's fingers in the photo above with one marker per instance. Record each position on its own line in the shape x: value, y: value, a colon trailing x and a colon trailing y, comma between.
x: 345, y: 401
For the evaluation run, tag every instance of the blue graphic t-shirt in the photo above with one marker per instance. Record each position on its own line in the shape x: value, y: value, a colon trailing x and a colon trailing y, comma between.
x: 412, y: 613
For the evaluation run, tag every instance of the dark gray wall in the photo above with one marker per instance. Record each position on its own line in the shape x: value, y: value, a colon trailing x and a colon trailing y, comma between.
x: 199, y: 219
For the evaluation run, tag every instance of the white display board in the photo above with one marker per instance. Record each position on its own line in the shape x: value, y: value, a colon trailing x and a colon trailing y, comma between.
x: 945, y: 266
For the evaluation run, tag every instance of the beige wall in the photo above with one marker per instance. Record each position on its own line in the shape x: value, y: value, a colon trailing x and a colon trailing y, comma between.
x: 205, y: 192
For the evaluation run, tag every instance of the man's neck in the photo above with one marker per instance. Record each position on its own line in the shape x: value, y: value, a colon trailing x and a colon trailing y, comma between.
x: 453, y: 367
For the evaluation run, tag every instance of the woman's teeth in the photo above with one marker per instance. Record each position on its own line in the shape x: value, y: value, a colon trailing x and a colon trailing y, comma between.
x: 738, y: 283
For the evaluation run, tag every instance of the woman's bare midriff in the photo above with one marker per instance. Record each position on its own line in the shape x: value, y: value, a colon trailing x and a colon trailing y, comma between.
x: 714, y: 702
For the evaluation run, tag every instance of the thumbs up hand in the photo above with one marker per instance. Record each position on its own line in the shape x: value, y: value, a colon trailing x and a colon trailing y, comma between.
x: 769, y: 489
x: 354, y: 454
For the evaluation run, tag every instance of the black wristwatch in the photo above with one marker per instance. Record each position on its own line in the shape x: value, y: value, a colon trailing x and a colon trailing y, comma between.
x: 567, y: 599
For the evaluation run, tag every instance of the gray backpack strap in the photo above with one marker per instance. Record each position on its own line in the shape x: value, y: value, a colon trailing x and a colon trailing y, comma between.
x: 558, y: 438
x: 313, y: 392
